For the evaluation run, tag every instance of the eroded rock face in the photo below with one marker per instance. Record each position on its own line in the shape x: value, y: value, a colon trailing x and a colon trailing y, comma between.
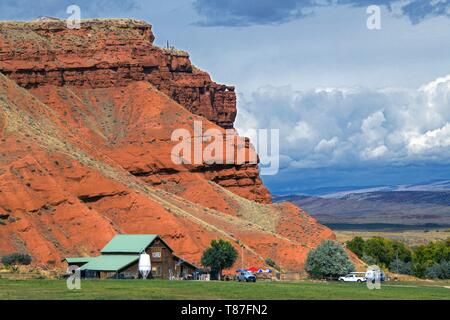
x: 108, y: 53
x: 86, y: 118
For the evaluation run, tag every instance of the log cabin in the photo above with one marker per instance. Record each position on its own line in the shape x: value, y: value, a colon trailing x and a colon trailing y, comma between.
x: 120, y: 259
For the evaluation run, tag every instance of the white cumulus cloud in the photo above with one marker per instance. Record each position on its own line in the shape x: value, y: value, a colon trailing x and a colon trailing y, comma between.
x: 326, y: 127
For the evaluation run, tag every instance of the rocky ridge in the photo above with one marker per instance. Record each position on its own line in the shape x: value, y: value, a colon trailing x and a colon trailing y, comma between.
x: 86, y: 118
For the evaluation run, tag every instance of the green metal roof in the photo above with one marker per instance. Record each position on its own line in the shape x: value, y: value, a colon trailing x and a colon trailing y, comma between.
x: 79, y: 260
x: 110, y: 262
x: 129, y: 243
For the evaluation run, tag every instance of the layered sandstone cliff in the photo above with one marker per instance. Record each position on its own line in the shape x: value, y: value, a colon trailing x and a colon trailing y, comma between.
x: 86, y: 118
x: 106, y: 54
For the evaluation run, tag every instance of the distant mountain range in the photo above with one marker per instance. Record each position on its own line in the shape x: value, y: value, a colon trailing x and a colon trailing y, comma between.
x: 434, y: 186
x: 405, y: 206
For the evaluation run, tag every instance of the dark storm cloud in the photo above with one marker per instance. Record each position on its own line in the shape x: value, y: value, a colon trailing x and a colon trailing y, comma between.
x: 263, y: 12
x: 250, y: 12
x: 419, y: 10
x: 26, y: 10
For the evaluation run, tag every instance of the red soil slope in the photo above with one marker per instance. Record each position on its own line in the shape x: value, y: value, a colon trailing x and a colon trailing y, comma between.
x: 86, y: 118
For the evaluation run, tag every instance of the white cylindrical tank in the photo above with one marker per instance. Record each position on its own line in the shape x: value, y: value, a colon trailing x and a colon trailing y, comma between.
x: 145, y: 265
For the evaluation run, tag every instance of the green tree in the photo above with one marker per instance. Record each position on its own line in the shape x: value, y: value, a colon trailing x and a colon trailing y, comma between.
x: 428, y: 256
x: 400, y: 250
x: 435, y: 251
x: 379, y: 249
x: 425, y: 261
x: 220, y: 255
x: 329, y: 259
x: 356, y: 245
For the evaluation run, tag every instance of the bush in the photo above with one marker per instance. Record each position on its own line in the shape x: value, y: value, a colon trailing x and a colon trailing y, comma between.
x: 401, y: 267
x: 328, y: 260
x: 438, y: 271
x: 271, y: 263
x: 16, y: 259
x: 368, y: 259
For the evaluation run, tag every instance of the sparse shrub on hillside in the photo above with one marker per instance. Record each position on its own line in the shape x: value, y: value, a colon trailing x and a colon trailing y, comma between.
x: 328, y: 260
x: 16, y: 259
x: 271, y: 263
x: 220, y: 255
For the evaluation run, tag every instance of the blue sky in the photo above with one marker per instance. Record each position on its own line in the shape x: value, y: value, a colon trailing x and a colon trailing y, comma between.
x: 355, y: 107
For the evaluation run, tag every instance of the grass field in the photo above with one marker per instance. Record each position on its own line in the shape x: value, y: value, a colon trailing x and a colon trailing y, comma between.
x: 410, y: 237
x: 195, y: 290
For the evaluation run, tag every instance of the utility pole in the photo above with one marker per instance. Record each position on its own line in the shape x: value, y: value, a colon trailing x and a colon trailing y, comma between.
x: 242, y: 256
x: 397, y: 261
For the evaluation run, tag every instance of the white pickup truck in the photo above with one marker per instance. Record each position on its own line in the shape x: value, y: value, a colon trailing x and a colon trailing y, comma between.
x: 354, y: 277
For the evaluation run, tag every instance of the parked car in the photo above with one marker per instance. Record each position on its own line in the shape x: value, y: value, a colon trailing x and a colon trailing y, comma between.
x: 353, y: 277
x: 246, y: 276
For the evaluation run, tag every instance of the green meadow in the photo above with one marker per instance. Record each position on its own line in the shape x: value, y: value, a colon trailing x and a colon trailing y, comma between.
x: 195, y: 290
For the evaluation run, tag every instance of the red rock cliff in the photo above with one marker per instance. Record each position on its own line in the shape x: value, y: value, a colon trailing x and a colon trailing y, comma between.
x: 105, y: 53
x: 116, y: 53
x: 86, y: 118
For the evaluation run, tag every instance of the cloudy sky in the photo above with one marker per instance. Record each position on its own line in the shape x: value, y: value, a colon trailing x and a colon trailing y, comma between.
x: 355, y: 107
